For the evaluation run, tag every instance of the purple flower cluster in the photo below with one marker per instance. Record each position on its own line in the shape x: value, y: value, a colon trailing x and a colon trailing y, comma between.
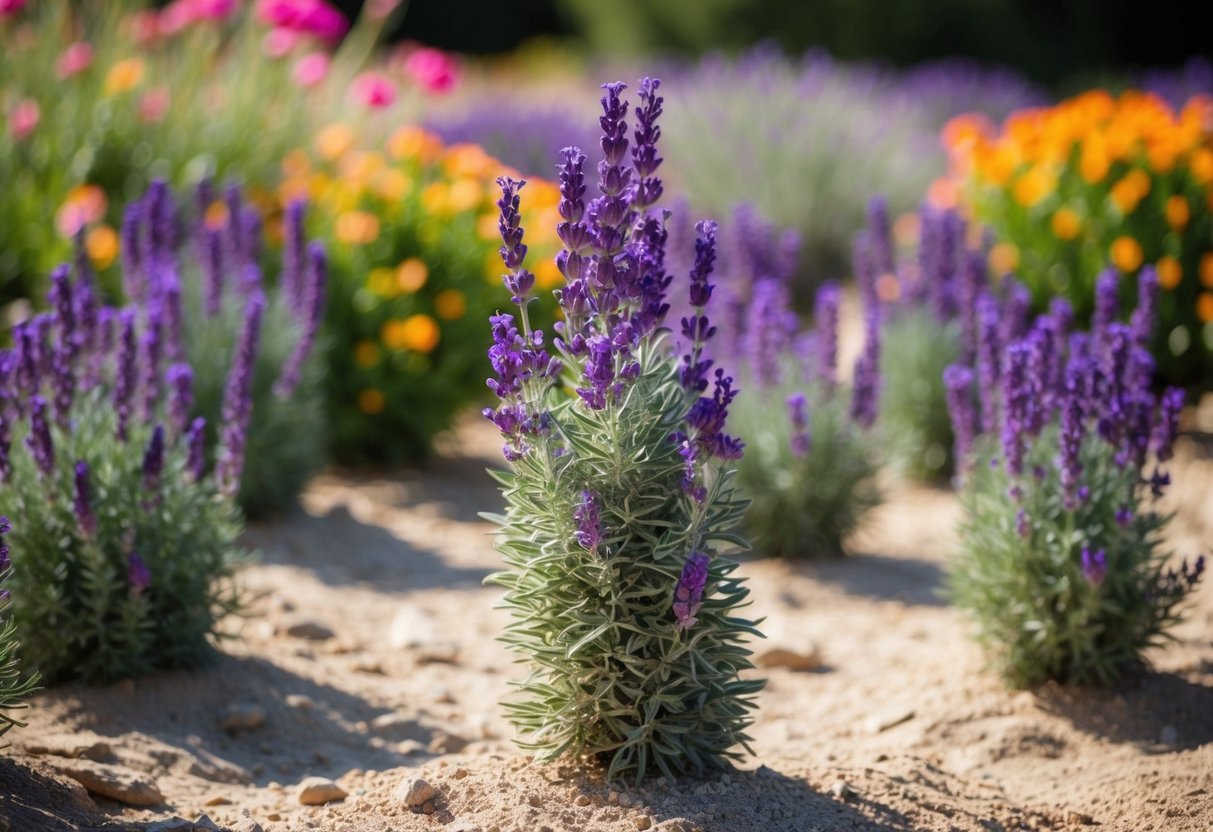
x: 587, y: 516
x: 238, y: 400
x: 688, y: 593
x: 798, y: 415
x: 5, y: 562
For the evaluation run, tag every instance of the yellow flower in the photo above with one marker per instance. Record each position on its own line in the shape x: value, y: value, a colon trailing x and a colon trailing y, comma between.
x: 1066, y: 224
x: 1094, y: 164
x: 357, y: 227
x: 419, y: 333
x: 1204, y: 307
x: 366, y: 353
x: 1125, y: 196
x: 1178, y: 212
x: 1140, y: 181
x: 1169, y: 272
x: 435, y: 200
x: 124, y: 76
x: 102, y: 246
x: 392, y: 184
x: 382, y: 281
x: 1206, y: 269
x: 1004, y: 258
x: 547, y: 275
x: 464, y: 195
x: 414, y: 143
x: 1033, y: 186
x: 1126, y: 254
x: 450, y: 304
x: 371, y: 401
x: 411, y: 274
x: 334, y: 141
x: 467, y: 160
x: 486, y: 227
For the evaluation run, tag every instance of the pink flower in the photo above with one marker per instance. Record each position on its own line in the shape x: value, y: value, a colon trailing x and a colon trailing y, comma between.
x: 74, y: 60
x: 311, y: 69
x: 182, y: 14
x: 153, y: 105
x: 8, y: 8
x: 313, y: 17
x: 434, y: 71
x: 144, y: 27
x: 374, y: 90
x: 280, y: 42
x: 24, y: 118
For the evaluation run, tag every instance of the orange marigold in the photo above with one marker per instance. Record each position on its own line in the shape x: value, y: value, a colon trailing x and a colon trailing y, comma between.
x: 1126, y: 254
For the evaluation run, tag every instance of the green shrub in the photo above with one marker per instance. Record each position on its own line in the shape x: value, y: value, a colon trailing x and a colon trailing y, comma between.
x: 14, y: 686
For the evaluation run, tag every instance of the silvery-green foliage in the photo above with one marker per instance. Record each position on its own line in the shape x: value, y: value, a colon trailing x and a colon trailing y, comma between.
x: 15, y: 686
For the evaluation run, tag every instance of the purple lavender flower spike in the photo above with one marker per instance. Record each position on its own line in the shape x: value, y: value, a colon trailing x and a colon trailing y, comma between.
x: 250, y: 221
x: 970, y: 285
x: 39, y: 440
x: 238, y: 400
x: 587, y: 516
x: 67, y: 335
x: 1017, y: 393
x: 1015, y: 317
x: 153, y: 351
x: 865, y: 389
x: 688, y: 593
x: 1023, y: 523
x: 1166, y: 426
x: 124, y: 372
x: 28, y: 373
x: 697, y: 329
x: 769, y: 330
x: 958, y: 382
x: 7, y: 413
x: 825, y: 317
x: 133, y: 280
x: 513, y: 251
x: 801, y: 441
x: 5, y: 563
x: 138, y: 576
x: 315, y: 293
x: 881, y: 235
x: 153, y: 459
x: 1107, y: 304
x: 169, y: 286
x: 196, y: 448
x: 180, y: 378
x: 1145, y: 316
x: 863, y: 263
x: 645, y: 160
x: 1094, y: 565
x: 1124, y: 517
x: 86, y: 520
x: 161, y: 237
x: 599, y: 372
x: 235, y: 245
x: 1073, y: 429
x: 212, y: 270
x: 293, y: 253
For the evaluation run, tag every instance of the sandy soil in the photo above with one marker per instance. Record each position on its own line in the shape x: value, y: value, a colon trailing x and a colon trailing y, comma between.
x: 392, y: 674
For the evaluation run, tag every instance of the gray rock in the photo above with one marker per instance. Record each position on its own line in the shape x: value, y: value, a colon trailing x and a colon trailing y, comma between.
x: 1169, y: 735
x: 415, y: 792
x: 247, y: 825
x: 84, y: 745
x: 241, y: 716
x: 172, y: 825
x: 316, y: 791
x: 444, y: 743
x: 115, y: 782
x: 310, y: 630
x: 842, y: 790
x: 205, y: 824
x: 300, y: 702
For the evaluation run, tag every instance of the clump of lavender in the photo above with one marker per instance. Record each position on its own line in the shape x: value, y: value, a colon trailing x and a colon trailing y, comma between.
x: 933, y: 293
x: 620, y: 490
x: 214, y: 306
x: 812, y: 457
x: 1063, y: 565
x: 15, y: 686
x: 129, y: 550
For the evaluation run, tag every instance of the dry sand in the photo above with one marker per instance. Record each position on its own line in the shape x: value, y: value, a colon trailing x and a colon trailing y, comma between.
x: 898, y: 728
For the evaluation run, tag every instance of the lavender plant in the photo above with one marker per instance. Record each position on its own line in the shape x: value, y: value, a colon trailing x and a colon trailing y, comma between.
x: 620, y: 491
x: 14, y: 686
x: 201, y: 291
x: 1063, y: 564
x: 810, y: 475
x: 130, y: 541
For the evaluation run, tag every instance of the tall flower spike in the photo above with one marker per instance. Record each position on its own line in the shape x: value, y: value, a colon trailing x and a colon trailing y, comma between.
x: 587, y: 516
x: 294, y: 287
x: 697, y: 330
x: 865, y: 390
x: 1107, y: 304
x: 769, y: 329
x: 180, y: 379
x: 195, y: 442
x: 1016, y: 397
x: 213, y: 263
x: 825, y: 317
x: 989, y: 347
x: 153, y: 459
x: 800, y: 442
x: 1166, y: 427
x: 169, y: 290
x: 958, y: 382
x: 39, y: 441
x: 645, y: 160
x: 1016, y: 312
x: 238, y: 401
x: 1144, y: 316
x: 513, y: 251
x: 881, y: 236
x: 315, y: 292
x: 1073, y: 428
x: 153, y: 351
x: 133, y: 281
x: 688, y: 593
x: 63, y: 356
x: 86, y: 520
x: 124, y: 372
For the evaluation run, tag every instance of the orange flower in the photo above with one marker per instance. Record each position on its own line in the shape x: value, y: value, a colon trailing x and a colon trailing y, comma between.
x: 366, y: 353
x: 1094, y: 164
x: 411, y: 274
x: 1066, y: 224
x: 1126, y: 254
x: 450, y: 304
x: 1206, y: 269
x: 1169, y: 272
x: 1033, y: 186
x: 124, y: 76
x: 371, y: 401
x: 414, y: 143
x: 1004, y: 258
x: 419, y: 333
x: 1178, y: 212
x: 357, y: 228
x: 547, y: 275
x: 1204, y: 307
x: 334, y: 141
x: 1201, y: 164
x: 216, y: 215
x: 464, y: 195
x: 102, y: 246
x: 83, y: 205
x: 1125, y: 196
x: 392, y: 184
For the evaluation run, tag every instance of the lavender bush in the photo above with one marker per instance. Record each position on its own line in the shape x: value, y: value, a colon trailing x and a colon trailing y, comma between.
x: 129, y: 540
x: 620, y: 489
x: 1063, y: 565
x: 201, y: 291
x: 14, y: 685
x: 518, y: 134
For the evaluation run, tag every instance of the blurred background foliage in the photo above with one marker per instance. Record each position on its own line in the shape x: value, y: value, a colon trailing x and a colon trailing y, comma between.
x: 1060, y: 43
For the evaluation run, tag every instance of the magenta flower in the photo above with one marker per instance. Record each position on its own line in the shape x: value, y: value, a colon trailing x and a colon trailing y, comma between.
x: 374, y: 90
x: 75, y: 59
x: 9, y: 8
x: 310, y: 17
x: 433, y: 70
x: 23, y: 118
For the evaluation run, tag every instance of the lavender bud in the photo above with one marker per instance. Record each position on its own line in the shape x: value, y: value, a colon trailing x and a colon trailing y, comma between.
x: 153, y: 459
x: 39, y: 439
x: 1094, y: 565
x: 865, y: 391
x: 237, y: 400
x: 138, y: 576
x: 293, y: 263
x: 315, y: 291
x: 196, y: 444
x: 124, y: 372
x: 688, y: 593
x: 86, y: 520
x: 958, y: 382
x: 181, y: 397
x: 587, y: 517
x: 1107, y: 304
x: 801, y: 441
x: 825, y: 315
x: 1166, y: 426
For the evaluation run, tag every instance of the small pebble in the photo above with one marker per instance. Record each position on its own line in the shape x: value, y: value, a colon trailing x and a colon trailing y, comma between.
x: 415, y: 793
x: 316, y: 791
